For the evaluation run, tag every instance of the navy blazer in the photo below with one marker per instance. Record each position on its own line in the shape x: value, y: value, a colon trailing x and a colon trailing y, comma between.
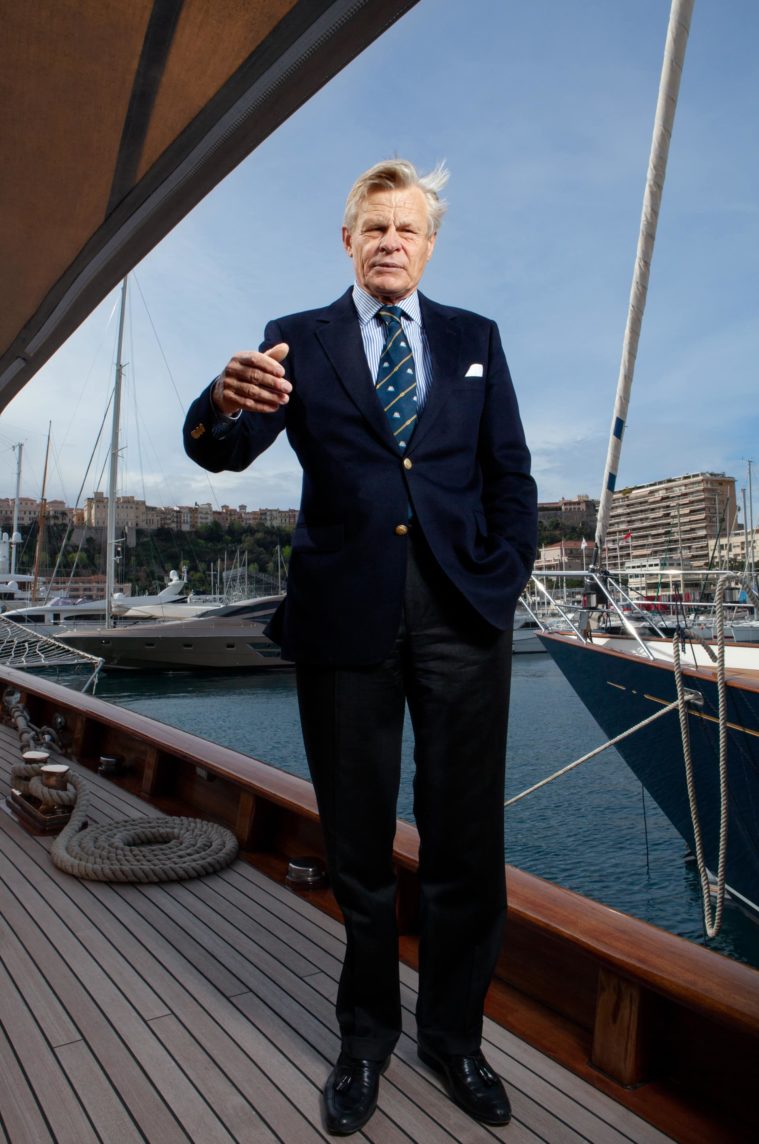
x: 465, y: 473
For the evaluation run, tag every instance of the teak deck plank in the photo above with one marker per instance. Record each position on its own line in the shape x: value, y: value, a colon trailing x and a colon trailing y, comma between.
x: 203, y: 1011
x: 21, y: 1117
x: 97, y: 1094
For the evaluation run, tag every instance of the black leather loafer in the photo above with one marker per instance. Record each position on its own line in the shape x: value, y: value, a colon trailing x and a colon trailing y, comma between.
x: 350, y: 1094
x: 472, y: 1084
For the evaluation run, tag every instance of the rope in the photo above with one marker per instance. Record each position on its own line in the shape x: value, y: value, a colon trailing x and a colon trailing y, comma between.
x: 27, y: 780
x: 713, y: 924
x: 30, y: 736
x: 163, y: 849
x: 597, y: 751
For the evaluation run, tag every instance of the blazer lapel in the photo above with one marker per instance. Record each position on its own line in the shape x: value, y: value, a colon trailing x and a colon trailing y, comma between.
x: 443, y: 340
x: 340, y: 336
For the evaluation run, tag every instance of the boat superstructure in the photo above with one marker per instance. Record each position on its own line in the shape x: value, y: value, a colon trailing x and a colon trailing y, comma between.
x: 62, y: 614
x: 226, y: 638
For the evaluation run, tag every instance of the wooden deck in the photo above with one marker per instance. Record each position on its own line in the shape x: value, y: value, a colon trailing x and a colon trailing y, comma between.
x: 203, y: 1011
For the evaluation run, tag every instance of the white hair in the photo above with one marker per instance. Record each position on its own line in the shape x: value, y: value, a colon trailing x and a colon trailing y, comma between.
x: 397, y: 174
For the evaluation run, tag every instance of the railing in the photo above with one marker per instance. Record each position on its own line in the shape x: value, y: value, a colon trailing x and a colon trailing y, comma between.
x: 603, y: 596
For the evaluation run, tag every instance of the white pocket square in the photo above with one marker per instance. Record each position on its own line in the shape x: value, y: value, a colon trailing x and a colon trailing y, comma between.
x: 475, y: 370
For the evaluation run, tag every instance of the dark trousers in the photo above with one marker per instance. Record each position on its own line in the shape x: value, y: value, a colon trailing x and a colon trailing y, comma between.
x: 454, y: 671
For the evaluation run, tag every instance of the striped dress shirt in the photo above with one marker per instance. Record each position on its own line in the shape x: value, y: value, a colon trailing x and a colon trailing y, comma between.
x: 373, y: 337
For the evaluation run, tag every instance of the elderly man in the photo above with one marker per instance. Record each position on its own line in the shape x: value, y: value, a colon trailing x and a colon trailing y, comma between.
x: 416, y: 534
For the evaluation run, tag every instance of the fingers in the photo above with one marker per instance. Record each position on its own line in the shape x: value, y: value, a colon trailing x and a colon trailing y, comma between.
x: 278, y: 352
x: 253, y: 380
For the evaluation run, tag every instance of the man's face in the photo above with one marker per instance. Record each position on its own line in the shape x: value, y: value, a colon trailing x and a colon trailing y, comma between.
x: 390, y: 244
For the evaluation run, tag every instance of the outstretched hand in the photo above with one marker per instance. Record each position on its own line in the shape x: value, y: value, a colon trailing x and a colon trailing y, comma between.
x: 253, y: 380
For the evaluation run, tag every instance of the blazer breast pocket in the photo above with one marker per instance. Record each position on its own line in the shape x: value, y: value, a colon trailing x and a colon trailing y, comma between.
x: 468, y: 397
x: 473, y: 385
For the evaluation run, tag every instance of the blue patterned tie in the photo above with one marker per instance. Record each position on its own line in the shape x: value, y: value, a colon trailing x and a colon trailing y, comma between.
x: 396, y: 378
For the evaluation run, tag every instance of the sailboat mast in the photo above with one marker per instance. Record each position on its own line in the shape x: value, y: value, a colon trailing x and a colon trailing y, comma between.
x: 41, y: 518
x: 750, y: 523
x: 110, y: 559
x: 669, y: 86
x: 15, y: 538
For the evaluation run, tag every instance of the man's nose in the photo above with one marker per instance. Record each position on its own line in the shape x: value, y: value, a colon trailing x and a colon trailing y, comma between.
x: 390, y: 239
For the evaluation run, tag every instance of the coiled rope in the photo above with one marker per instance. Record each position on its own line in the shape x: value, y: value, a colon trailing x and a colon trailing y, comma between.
x: 712, y: 923
x: 27, y: 780
x: 147, y: 850
x: 30, y: 736
x: 165, y: 849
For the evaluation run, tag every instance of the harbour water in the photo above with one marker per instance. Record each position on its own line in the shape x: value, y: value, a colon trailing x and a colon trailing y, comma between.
x: 594, y: 830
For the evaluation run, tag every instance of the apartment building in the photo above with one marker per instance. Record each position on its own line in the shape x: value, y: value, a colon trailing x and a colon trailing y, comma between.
x: 278, y: 517
x: 130, y: 513
x: 739, y: 550
x: 676, y: 521
x: 29, y: 510
x: 564, y: 556
x: 133, y: 514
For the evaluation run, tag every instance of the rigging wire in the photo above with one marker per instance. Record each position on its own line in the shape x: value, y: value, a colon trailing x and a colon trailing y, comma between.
x: 207, y: 478
x: 160, y: 347
x: 69, y: 527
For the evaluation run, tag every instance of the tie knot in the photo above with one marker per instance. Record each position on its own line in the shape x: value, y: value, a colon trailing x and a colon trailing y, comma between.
x: 390, y: 314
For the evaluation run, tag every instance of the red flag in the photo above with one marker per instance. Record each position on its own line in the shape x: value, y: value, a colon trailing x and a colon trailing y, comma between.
x: 627, y: 536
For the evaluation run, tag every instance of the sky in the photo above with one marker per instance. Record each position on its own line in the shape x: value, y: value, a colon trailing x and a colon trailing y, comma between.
x: 543, y: 112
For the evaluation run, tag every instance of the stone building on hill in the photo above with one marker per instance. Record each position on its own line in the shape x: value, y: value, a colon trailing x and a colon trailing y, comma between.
x: 578, y: 512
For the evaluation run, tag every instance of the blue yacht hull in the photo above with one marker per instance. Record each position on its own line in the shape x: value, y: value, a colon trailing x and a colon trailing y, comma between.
x: 620, y: 689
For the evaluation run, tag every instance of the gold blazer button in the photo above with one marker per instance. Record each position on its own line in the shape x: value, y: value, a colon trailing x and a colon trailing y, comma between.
x: 408, y: 463
x: 401, y: 529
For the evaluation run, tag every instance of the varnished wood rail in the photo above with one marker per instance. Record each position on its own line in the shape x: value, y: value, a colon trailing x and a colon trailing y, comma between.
x: 665, y: 1026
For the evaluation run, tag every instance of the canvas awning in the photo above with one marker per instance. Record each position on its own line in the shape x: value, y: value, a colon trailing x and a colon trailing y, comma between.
x: 118, y: 116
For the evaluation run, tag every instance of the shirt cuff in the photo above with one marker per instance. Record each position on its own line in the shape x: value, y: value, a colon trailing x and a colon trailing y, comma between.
x: 223, y: 422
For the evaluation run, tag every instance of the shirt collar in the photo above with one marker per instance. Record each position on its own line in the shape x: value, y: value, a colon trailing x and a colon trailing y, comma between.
x: 368, y: 306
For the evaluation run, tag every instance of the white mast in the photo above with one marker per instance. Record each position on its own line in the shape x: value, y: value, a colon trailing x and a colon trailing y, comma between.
x: 15, y: 534
x: 41, y: 519
x: 669, y: 86
x: 110, y: 559
x: 750, y: 532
